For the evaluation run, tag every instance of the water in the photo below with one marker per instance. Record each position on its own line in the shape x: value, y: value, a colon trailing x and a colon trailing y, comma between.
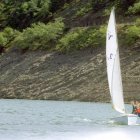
x: 56, y: 120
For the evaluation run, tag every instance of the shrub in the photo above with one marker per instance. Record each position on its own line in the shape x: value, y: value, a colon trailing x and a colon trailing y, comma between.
x: 134, y: 9
x: 7, y: 36
x: 97, y: 37
x: 132, y: 34
x: 138, y: 22
x: 20, y: 14
x: 83, y: 10
x: 71, y: 40
x: 98, y: 4
x: 40, y: 35
x: 3, y: 40
x: 82, y: 37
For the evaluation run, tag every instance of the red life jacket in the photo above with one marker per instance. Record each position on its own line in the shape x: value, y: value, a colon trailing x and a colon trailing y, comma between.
x: 138, y: 110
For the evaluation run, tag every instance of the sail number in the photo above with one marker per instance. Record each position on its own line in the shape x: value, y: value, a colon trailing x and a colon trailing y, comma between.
x: 110, y: 56
x: 109, y: 36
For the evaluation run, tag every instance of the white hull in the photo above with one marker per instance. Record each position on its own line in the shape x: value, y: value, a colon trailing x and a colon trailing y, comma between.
x: 128, y: 119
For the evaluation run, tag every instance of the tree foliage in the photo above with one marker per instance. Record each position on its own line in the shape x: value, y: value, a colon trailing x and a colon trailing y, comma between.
x: 132, y: 34
x: 20, y: 14
x: 121, y: 5
x: 40, y: 35
x: 7, y: 36
x: 58, y: 4
x: 135, y: 9
x: 30, y: 17
x: 81, y: 38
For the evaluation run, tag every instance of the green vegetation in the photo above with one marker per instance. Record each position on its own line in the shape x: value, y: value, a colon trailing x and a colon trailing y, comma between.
x: 32, y: 24
x: 71, y: 40
x: 132, y: 34
x: 84, y: 9
x: 121, y: 5
x: 7, y: 36
x: 135, y: 9
x: 79, y: 38
x: 20, y: 14
x: 40, y: 35
x: 138, y: 22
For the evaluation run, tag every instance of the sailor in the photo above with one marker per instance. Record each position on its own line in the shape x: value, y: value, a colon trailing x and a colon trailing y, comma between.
x: 138, y: 110
x: 135, y: 105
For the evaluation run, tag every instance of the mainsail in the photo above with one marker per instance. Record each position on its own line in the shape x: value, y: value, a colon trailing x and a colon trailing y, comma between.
x: 113, y: 65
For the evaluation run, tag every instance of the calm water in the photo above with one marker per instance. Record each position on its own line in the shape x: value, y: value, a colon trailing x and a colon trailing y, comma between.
x: 54, y: 120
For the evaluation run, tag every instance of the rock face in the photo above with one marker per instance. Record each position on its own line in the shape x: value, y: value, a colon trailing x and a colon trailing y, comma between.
x: 79, y: 75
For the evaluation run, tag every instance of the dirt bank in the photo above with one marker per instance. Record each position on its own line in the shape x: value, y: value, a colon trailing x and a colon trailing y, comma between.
x: 80, y: 75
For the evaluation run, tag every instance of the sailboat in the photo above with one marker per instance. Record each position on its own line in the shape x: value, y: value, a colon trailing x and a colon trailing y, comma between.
x: 114, y: 75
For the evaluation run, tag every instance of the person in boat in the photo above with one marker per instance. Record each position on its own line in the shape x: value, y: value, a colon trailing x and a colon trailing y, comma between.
x: 138, y: 110
x: 135, y: 106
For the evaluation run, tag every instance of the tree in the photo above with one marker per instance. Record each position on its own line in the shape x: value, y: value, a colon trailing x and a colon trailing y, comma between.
x: 99, y: 4
x: 125, y: 4
x: 20, y: 14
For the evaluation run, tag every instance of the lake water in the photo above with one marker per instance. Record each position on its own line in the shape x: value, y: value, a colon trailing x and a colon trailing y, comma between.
x: 57, y: 120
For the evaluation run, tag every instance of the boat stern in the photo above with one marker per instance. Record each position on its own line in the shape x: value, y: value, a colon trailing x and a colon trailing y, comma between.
x: 132, y: 119
x: 129, y: 119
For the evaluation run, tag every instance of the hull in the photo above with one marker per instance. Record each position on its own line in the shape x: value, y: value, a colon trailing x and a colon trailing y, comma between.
x: 129, y: 119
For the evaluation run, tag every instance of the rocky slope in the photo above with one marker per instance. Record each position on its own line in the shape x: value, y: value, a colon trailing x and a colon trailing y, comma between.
x: 80, y: 75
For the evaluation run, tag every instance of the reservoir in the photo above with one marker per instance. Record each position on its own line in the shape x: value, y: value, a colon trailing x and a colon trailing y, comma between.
x: 61, y: 120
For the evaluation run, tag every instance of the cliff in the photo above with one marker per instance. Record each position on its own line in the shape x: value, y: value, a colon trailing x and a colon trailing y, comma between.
x: 80, y: 75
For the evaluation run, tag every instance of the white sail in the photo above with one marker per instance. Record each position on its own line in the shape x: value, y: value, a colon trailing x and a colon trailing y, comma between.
x: 113, y: 66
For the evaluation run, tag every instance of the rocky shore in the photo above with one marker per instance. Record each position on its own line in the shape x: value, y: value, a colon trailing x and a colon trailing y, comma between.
x: 80, y: 75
